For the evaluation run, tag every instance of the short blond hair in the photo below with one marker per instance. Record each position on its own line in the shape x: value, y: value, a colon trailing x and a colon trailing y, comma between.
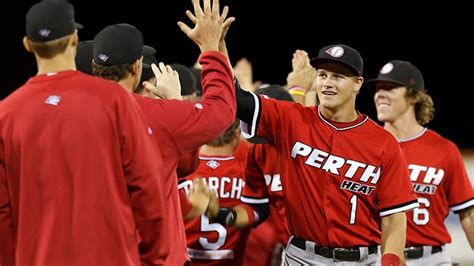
x: 51, y: 48
x: 424, y: 106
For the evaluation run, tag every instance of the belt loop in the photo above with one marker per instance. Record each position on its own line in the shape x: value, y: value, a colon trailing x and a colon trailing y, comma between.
x: 364, y: 253
x: 427, y: 251
x: 310, y: 247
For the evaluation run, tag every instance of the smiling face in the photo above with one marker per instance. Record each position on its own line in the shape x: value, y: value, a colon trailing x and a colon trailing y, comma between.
x: 337, y: 87
x: 390, y: 102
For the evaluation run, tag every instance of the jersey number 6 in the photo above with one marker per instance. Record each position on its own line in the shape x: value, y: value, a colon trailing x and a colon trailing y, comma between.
x: 421, y: 216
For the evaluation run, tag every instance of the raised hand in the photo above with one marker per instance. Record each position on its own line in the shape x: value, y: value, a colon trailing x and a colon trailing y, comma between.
x: 167, y: 82
x: 209, y: 24
x: 303, y: 73
x: 199, y: 196
x: 244, y: 73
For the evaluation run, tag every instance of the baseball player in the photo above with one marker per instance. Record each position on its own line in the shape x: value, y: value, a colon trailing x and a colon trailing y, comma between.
x: 346, y: 182
x: 210, y: 243
x: 79, y: 174
x: 179, y: 126
x: 436, y: 167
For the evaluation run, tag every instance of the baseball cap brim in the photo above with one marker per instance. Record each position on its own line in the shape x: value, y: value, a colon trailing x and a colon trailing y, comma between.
x: 148, y: 50
x: 78, y: 26
x: 316, y: 62
x: 371, y: 83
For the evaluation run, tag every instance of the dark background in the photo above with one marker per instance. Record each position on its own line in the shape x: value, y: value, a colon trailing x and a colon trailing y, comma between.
x: 433, y: 36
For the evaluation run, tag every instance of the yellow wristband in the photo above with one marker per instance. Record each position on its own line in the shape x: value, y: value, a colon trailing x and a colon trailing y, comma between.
x: 297, y: 92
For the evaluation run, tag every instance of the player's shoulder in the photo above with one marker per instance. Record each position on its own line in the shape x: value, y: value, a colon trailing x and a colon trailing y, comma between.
x: 292, y: 106
x: 378, y: 132
x: 99, y: 85
x: 379, y: 135
x: 434, y: 137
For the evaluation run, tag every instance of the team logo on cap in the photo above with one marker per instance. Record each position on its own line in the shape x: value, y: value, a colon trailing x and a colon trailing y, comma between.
x: 44, y: 32
x: 387, y: 68
x: 103, y: 57
x: 335, y: 51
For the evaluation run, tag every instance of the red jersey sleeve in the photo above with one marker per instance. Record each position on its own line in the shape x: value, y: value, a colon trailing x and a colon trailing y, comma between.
x: 7, y: 250
x: 141, y: 165
x: 269, y: 118
x: 395, y: 191
x: 188, y: 163
x: 194, y: 124
x: 183, y: 199
x: 255, y: 190
x: 459, y: 191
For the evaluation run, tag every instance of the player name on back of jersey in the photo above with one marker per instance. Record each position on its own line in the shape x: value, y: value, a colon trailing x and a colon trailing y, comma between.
x: 363, y: 172
x: 430, y: 178
x: 225, y: 187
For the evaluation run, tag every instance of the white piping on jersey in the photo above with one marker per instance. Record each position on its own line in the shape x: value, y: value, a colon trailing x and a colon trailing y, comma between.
x: 461, y: 206
x: 217, y: 159
x: 181, y: 185
x: 211, y: 254
x: 244, y: 126
x: 254, y: 201
x: 400, y: 209
x: 414, y: 137
x: 342, y: 128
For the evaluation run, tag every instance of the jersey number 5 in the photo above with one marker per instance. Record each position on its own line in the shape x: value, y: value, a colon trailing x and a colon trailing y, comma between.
x: 212, y: 227
x: 421, y: 216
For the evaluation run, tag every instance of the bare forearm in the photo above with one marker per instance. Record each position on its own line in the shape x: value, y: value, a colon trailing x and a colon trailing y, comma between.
x: 467, y: 223
x: 311, y: 98
x: 301, y: 99
x: 394, y: 234
x: 242, y: 220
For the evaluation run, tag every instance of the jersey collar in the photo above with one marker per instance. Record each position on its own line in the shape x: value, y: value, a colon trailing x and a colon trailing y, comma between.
x: 339, y: 126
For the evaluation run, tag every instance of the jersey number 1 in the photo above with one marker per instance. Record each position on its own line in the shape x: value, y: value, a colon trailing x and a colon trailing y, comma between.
x: 353, y: 202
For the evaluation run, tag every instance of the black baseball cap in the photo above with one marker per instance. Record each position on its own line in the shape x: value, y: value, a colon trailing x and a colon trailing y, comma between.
x: 401, y: 73
x: 197, y: 77
x: 186, y: 78
x: 119, y: 44
x: 276, y: 92
x: 84, y: 56
x: 50, y: 20
x: 148, y: 59
x: 340, y: 54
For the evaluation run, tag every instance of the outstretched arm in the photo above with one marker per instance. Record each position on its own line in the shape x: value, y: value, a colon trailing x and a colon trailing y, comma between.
x: 467, y: 222
x: 393, y: 238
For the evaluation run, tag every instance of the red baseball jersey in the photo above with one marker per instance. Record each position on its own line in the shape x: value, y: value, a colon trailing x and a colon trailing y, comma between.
x: 264, y: 185
x: 212, y: 243
x: 187, y: 163
x: 182, y: 126
x: 340, y: 178
x: 262, y: 244
x: 441, y: 183
x: 79, y: 174
x: 242, y: 149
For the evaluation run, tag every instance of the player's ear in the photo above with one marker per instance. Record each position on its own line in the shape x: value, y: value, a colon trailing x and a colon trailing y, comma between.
x: 358, y: 84
x: 410, y: 97
x: 74, y: 39
x: 136, y: 66
x: 27, y: 44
